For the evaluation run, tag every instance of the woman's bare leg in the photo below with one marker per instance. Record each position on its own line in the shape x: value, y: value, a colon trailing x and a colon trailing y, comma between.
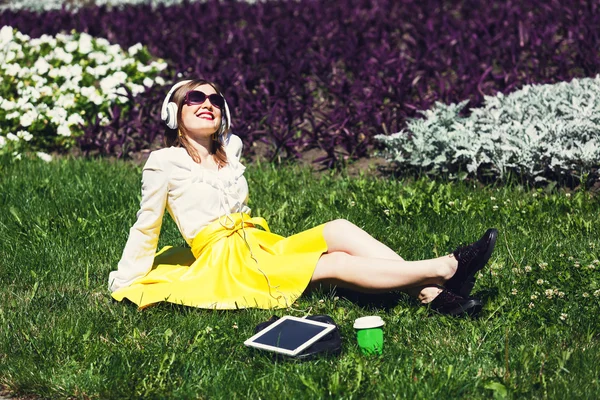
x: 358, y: 261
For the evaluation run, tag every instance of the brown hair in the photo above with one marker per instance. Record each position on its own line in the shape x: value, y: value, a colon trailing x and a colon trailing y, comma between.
x: 173, y: 136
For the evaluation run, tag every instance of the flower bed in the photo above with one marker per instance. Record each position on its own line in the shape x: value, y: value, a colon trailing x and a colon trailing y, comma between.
x: 539, y: 132
x: 332, y: 75
x: 54, y: 86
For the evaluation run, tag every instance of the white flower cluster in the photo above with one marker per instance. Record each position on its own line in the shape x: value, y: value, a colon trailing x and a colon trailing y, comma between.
x: 51, y: 85
x: 74, y: 5
x: 537, y: 129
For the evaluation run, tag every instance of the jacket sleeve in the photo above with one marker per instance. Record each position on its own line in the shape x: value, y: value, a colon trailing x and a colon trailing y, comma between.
x: 138, y: 254
x: 234, y: 146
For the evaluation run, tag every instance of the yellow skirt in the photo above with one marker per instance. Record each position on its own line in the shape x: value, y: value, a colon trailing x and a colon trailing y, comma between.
x: 236, y: 266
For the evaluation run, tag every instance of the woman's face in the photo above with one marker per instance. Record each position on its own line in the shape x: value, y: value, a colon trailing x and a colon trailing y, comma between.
x: 201, y: 120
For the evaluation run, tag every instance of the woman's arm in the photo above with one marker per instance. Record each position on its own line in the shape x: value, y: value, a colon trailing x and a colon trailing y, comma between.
x: 140, y: 249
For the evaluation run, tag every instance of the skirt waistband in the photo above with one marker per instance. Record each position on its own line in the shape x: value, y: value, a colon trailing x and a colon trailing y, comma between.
x: 225, y: 226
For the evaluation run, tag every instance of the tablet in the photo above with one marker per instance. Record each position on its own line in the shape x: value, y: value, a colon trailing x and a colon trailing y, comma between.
x: 289, y: 335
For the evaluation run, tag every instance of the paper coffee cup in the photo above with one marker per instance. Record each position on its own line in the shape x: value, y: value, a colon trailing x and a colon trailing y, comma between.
x: 369, y: 334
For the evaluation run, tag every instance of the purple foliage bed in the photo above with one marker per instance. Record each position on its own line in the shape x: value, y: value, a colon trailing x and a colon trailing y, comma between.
x: 330, y: 75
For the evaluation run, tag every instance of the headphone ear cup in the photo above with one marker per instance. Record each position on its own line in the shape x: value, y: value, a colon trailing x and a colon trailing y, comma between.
x: 171, y: 119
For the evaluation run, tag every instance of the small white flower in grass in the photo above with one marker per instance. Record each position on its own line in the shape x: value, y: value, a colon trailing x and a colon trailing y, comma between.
x: 596, y: 262
x: 148, y: 82
x: 531, y: 305
x: 495, y: 208
x: 321, y: 301
x: 533, y: 297
x: 63, y: 130
x: 159, y: 81
x: 543, y: 265
x: 12, y: 137
x: 235, y: 326
x: 597, y: 293
x: 535, y: 195
x: 586, y: 294
x: 577, y: 265
x: 561, y: 294
x: 26, y: 136
x: 492, y: 198
x: 540, y: 282
x: 451, y: 204
x: 567, y: 195
x: 527, y: 268
x: 591, y: 266
x: 386, y: 212
x: 44, y: 156
x: 570, y: 258
x: 514, y: 292
x: 549, y: 293
x: 563, y: 316
x: 2, y: 141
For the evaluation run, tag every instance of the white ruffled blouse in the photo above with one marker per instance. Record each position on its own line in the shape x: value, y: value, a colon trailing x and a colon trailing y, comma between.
x: 193, y: 195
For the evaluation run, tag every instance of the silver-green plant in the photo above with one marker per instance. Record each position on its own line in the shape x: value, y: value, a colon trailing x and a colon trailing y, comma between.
x: 538, y: 132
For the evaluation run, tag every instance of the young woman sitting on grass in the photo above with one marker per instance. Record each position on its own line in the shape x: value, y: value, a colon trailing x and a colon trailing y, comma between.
x: 199, y: 179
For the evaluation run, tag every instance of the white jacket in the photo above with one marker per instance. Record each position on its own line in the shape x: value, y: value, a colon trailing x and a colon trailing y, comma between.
x: 193, y: 195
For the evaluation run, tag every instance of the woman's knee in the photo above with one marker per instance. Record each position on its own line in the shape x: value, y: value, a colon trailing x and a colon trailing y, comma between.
x: 330, y: 266
x: 339, y: 225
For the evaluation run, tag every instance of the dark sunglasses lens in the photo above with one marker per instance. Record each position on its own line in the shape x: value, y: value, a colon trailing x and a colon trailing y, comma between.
x: 196, y: 97
x: 217, y: 100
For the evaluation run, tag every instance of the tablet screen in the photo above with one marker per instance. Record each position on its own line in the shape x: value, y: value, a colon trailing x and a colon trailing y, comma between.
x: 289, y: 335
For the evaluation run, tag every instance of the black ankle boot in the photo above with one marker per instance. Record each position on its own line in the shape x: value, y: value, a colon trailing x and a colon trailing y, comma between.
x: 449, y: 303
x: 471, y: 259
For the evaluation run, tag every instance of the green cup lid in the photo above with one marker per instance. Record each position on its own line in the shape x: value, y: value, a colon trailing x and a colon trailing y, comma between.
x: 373, y: 321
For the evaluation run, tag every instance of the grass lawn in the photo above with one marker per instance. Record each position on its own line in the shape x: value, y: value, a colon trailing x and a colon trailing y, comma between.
x: 63, y: 226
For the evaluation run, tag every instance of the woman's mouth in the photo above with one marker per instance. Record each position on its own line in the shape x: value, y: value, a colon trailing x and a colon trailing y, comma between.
x: 206, y: 115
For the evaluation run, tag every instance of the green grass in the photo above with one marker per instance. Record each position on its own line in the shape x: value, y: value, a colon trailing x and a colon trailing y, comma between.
x: 63, y: 226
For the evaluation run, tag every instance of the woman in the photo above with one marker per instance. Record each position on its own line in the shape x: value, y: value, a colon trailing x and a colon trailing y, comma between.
x: 199, y: 180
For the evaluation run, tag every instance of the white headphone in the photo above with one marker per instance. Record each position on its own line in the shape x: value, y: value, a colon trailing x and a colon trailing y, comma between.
x: 168, y: 112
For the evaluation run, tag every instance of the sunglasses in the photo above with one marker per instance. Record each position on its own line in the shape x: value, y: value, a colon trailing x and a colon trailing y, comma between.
x: 195, y: 97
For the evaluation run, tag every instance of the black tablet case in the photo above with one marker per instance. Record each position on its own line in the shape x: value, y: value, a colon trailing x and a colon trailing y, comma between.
x: 328, y: 345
